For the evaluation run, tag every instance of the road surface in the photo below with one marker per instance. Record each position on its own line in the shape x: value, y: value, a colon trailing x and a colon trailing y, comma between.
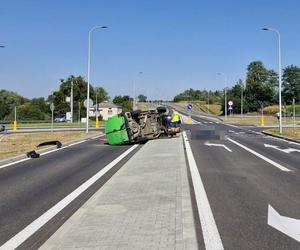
x: 32, y: 187
x: 243, y: 173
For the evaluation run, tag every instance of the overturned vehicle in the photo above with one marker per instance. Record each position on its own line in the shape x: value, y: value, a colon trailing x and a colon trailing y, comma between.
x: 137, y: 126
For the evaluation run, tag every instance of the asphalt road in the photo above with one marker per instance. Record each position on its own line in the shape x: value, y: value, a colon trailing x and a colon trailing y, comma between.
x: 240, y: 185
x: 30, y: 188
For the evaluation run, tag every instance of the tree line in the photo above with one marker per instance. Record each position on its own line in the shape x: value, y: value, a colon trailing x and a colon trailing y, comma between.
x: 39, y: 108
x: 260, y: 89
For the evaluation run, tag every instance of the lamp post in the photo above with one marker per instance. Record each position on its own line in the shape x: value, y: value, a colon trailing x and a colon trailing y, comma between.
x: 72, y: 99
x: 225, y: 94
x: 242, y: 98
x: 88, y: 84
x: 279, y: 74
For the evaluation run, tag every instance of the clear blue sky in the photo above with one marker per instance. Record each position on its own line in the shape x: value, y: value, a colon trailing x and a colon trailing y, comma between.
x: 176, y: 44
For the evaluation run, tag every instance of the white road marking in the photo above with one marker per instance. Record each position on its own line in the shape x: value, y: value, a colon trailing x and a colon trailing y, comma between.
x: 275, y: 164
x: 211, y: 236
x: 255, y: 132
x: 231, y: 125
x: 231, y: 131
x: 48, y: 152
x: 13, y: 163
x: 218, y: 145
x: 23, y: 235
x: 286, y: 225
x: 286, y: 150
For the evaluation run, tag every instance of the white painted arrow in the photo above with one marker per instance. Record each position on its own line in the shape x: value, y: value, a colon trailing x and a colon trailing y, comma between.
x: 287, y: 150
x: 286, y: 225
x: 217, y: 145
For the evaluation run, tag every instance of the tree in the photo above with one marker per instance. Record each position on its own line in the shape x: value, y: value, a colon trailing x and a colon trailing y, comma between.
x: 142, y: 98
x: 124, y: 101
x: 79, y: 95
x: 8, y: 100
x: 291, y: 83
x: 100, y: 94
x: 260, y: 86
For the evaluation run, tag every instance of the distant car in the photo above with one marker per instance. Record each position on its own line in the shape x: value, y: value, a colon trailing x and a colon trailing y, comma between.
x: 2, y: 127
x: 60, y: 118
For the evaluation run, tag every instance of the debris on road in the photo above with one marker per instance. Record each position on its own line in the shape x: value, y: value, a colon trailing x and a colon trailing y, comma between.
x: 33, y: 154
x: 57, y: 143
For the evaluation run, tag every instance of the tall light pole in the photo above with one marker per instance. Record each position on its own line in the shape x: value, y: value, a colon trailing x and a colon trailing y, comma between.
x: 208, y: 102
x: 89, y: 67
x: 242, y: 98
x: 225, y: 94
x: 72, y: 98
x: 279, y: 74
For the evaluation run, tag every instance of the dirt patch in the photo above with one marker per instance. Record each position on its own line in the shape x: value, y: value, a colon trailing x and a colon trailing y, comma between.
x: 17, y: 144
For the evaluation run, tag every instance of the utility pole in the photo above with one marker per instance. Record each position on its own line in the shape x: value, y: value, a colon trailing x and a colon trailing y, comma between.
x: 208, y: 102
x: 294, y: 113
x: 242, y: 99
x: 72, y: 101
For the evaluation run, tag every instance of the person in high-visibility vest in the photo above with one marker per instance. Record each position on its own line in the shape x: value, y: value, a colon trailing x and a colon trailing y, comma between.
x: 175, y: 120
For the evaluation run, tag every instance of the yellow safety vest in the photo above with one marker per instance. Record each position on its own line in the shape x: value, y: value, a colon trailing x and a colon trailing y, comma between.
x: 175, y: 117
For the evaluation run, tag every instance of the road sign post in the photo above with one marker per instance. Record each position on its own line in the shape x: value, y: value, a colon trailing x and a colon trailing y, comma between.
x: 230, y: 106
x: 52, y: 114
x: 190, y: 107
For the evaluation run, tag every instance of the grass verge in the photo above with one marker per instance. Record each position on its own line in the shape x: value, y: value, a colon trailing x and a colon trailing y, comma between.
x: 292, y: 133
x: 17, y: 144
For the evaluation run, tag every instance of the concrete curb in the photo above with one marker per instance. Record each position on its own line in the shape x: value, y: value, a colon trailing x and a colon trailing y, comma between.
x: 280, y: 136
x: 23, y: 156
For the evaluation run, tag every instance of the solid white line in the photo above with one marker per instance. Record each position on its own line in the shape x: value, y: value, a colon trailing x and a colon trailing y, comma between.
x: 23, y: 235
x: 275, y: 164
x: 48, y: 152
x: 210, y: 231
x: 13, y: 163
x: 231, y: 125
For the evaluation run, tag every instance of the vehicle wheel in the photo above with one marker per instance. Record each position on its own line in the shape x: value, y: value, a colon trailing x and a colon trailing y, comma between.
x: 135, y: 113
x: 161, y: 109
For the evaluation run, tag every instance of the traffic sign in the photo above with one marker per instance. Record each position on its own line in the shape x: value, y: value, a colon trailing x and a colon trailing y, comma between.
x: 230, y: 103
x: 190, y: 106
x: 85, y: 103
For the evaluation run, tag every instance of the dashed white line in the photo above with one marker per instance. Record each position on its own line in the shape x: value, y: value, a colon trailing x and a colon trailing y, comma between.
x: 210, y: 231
x: 275, y: 164
x: 23, y: 235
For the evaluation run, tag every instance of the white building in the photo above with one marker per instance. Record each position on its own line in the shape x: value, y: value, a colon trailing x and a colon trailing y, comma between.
x: 106, y: 110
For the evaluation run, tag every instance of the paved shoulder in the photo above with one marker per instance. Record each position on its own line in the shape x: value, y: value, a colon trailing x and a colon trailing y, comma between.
x: 147, y: 204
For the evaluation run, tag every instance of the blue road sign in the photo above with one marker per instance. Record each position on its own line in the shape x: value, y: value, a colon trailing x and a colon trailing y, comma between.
x: 190, y: 106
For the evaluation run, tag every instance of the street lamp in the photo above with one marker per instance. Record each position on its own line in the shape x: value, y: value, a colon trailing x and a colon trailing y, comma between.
x: 89, y: 66
x: 279, y: 74
x: 225, y: 94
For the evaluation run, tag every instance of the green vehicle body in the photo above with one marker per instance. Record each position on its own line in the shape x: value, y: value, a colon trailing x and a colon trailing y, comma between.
x: 116, y: 131
x: 138, y: 126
